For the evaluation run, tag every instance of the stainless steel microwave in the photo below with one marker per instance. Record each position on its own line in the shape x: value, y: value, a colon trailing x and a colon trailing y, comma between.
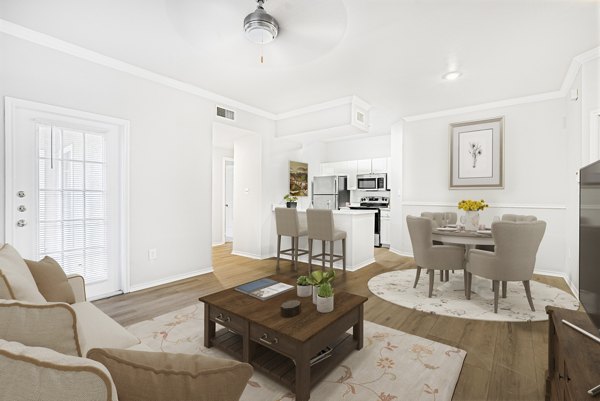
x: 372, y: 182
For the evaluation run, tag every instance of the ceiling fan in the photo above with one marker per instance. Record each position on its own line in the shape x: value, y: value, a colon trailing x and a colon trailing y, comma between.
x: 260, y: 27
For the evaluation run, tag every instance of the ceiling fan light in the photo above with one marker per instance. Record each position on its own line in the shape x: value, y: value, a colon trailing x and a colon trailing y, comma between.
x: 260, y: 27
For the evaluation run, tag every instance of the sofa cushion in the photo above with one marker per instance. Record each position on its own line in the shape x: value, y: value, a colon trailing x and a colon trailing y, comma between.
x: 50, y: 325
x: 51, y: 280
x: 97, y: 330
x: 161, y: 376
x: 18, y: 277
x: 35, y: 373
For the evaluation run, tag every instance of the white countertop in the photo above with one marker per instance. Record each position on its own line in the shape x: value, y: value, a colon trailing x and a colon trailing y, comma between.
x: 347, y: 211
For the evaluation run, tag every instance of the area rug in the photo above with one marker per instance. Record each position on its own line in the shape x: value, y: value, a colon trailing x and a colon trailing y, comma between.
x: 449, y: 298
x: 391, y: 366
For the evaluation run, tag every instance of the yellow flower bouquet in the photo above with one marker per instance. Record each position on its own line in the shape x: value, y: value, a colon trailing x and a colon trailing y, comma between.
x: 472, y: 205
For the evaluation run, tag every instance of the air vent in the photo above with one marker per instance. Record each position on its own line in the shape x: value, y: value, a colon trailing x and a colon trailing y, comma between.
x: 225, y: 113
x: 360, y: 117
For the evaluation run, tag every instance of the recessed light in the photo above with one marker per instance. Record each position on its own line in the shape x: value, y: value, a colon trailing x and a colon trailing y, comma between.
x: 451, y: 76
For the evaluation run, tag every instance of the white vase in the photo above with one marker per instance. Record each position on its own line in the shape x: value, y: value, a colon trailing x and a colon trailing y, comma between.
x: 314, y: 294
x: 304, y: 290
x: 324, y: 304
x: 471, y: 221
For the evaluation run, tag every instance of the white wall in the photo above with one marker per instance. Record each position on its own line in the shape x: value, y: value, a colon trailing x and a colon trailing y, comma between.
x: 170, y: 150
x: 372, y: 147
x: 534, y: 167
x: 218, y: 201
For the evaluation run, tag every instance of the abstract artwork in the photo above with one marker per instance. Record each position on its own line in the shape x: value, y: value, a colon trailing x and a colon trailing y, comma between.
x: 298, y: 179
x: 476, y: 154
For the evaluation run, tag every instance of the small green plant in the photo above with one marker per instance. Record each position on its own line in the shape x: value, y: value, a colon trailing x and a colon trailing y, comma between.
x: 290, y: 198
x: 303, y: 281
x: 325, y: 290
x: 319, y: 277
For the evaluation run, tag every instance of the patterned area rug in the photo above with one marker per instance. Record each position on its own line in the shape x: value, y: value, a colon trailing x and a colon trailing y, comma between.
x: 391, y: 366
x: 449, y: 298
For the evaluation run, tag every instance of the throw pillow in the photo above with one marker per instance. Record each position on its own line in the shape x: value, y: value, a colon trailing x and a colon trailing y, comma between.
x: 51, y: 280
x: 35, y: 373
x: 159, y: 376
x: 50, y: 325
x: 18, y: 277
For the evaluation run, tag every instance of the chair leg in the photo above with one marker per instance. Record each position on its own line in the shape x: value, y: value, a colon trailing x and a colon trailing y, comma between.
x: 447, y: 275
x: 466, y: 282
x: 331, y: 243
x: 296, y: 245
x: 528, y: 292
x: 431, y: 278
x: 344, y: 254
x: 504, y: 285
x: 495, y: 286
x: 278, y: 250
x: 441, y: 275
x: 469, y: 281
x: 323, y: 256
x: 417, y: 277
x: 310, y: 246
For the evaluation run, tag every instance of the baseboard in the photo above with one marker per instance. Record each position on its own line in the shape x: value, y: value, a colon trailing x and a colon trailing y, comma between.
x: 218, y: 243
x: 170, y: 279
x: 247, y: 255
x: 562, y: 275
x: 401, y: 253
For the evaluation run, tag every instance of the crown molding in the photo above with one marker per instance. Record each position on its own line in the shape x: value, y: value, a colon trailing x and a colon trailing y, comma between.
x: 51, y: 42
x: 324, y: 106
x: 568, y: 80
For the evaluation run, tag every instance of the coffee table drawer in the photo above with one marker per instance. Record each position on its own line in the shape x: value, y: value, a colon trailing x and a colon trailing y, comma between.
x: 227, y: 319
x: 272, y: 339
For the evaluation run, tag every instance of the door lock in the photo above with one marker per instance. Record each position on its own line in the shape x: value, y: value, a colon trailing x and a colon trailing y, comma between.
x: 21, y: 208
x: 21, y: 194
x: 21, y: 223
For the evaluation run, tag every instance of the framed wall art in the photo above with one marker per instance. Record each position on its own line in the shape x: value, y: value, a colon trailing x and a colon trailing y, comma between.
x: 477, y: 154
x: 298, y: 178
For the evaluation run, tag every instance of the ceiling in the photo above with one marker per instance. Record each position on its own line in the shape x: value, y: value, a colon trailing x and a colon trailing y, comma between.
x: 392, y: 53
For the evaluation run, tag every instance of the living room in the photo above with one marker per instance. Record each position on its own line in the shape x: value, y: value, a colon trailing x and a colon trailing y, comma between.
x: 152, y: 77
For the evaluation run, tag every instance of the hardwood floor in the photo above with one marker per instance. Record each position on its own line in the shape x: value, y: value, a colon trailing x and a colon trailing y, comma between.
x: 505, y: 361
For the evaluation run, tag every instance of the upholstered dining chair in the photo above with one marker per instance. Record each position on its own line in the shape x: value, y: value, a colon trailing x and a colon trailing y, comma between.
x: 518, y: 217
x: 432, y: 257
x: 517, y: 244
x: 440, y: 219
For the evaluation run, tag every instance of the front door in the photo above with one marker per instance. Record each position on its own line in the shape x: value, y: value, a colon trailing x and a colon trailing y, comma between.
x: 64, y: 192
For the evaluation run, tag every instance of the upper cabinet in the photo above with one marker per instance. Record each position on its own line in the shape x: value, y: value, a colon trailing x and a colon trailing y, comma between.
x: 379, y: 165
x: 351, y: 168
x: 363, y: 166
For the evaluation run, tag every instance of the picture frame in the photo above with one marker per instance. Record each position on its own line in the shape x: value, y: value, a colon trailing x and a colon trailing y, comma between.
x: 298, y: 178
x: 477, y: 154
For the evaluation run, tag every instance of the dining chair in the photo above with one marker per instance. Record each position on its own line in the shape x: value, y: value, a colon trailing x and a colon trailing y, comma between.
x: 518, y: 217
x: 288, y: 224
x: 517, y: 244
x: 432, y: 257
x: 441, y: 219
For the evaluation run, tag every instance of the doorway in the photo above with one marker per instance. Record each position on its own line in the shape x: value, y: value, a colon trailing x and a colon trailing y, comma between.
x: 66, y: 181
x: 228, y: 196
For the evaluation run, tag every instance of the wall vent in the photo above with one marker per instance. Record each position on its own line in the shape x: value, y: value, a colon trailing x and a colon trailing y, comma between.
x: 360, y: 117
x: 225, y: 113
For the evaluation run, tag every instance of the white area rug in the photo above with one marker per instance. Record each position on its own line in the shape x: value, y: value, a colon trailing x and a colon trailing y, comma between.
x: 449, y: 298
x: 391, y: 366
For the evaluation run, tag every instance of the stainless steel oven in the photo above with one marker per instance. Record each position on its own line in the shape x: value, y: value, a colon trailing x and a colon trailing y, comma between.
x: 372, y: 182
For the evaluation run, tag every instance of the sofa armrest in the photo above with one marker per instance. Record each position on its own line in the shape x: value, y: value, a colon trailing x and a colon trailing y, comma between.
x: 162, y: 376
x: 77, y: 283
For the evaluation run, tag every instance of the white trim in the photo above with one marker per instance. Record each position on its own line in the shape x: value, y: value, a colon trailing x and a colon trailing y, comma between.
x: 51, y: 42
x: 122, y: 126
x: 102, y: 296
x: 218, y: 243
x: 492, y: 206
x: 315, y: 107
x: 487, y: 106
x: 223, y: 208
x: 170, y: 279
x: 247, y: 255
x: 401, y: 253
x: 594, y: 135
x: 562, y: 275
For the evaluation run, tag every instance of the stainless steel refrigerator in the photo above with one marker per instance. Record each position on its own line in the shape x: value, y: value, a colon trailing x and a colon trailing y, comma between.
x: 330, y: 192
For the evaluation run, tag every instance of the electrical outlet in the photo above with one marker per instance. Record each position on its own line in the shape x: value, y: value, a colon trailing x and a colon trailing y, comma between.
x: 152, y: 254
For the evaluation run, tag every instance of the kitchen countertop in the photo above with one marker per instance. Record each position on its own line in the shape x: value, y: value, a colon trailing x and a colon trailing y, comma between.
x: 352, y: 212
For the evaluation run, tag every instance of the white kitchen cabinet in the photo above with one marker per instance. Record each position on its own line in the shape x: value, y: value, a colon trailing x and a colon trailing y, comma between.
x: 379, y: 165
x: 352, y: 168
x: 385, y: 229
x: 327, y: 168
x: 363, y: 166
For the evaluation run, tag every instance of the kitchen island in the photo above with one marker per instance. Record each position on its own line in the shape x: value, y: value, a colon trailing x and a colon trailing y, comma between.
x: 359, y: 226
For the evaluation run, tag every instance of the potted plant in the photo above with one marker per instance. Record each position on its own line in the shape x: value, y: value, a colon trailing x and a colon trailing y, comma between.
x: 472, y: 209
x: 325, y: 298
x: 303, y: 288
x: 291, y: 201
x: 318, y: 278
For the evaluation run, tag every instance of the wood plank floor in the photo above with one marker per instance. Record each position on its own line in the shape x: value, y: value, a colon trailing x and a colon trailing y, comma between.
x: 505, y: 361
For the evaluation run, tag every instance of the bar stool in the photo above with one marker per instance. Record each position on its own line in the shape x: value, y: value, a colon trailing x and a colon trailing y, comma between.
x: 321, y: 228
x: 286, y: 220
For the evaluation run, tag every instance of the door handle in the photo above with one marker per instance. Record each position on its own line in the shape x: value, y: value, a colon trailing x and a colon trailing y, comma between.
x: 21, y: 223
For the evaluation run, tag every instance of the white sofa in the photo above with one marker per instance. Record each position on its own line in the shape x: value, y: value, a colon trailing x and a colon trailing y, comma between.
x: 43, y: 349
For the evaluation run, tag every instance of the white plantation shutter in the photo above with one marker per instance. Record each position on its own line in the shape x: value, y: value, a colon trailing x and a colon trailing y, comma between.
x: 73, y: 200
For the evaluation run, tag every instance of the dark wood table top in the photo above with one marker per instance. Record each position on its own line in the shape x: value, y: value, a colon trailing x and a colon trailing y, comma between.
x: 267, y: 313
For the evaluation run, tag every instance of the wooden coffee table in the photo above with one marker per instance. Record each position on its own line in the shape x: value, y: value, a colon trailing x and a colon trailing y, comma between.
x: 254, y: 332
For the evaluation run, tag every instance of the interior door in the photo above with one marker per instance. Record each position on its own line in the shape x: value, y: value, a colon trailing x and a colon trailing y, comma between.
x: 228, y: 201
x: 64, y: 192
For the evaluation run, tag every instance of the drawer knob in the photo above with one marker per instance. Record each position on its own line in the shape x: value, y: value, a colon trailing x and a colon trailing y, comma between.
x: 222, y: 319
x: 265, y: 339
